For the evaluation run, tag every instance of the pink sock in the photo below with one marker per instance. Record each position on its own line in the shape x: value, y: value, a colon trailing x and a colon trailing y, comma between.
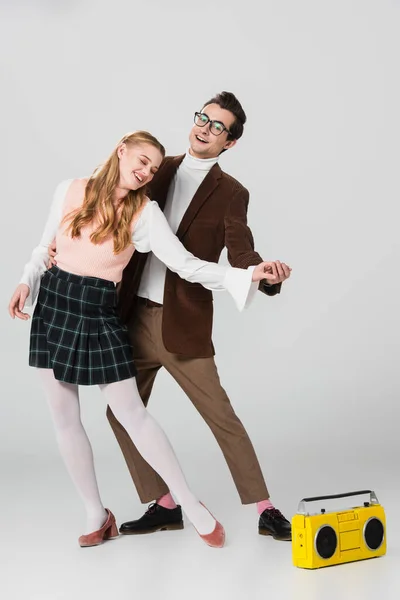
x: 166, y: 501
x: 264, y: 505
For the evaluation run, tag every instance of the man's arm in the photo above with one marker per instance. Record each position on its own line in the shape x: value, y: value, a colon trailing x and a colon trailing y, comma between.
x: 240, y: 242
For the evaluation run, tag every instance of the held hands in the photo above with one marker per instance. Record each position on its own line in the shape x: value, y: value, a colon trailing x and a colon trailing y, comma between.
x: 273, y: 272
x: 17, y: 302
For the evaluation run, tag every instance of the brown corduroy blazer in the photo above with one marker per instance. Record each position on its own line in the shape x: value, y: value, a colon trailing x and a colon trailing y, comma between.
x: 215, y: 218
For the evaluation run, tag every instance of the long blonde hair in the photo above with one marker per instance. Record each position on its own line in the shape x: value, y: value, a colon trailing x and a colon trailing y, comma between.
x: 99, y: 195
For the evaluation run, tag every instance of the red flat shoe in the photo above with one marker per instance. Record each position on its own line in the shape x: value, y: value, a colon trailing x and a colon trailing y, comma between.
x: 215, y: 539
x: 109, y: 531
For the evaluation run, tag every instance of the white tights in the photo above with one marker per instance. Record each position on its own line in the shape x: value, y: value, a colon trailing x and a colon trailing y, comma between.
x: 125, y: 402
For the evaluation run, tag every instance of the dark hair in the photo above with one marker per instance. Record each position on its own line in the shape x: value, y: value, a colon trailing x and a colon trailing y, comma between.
x: 228, y: 101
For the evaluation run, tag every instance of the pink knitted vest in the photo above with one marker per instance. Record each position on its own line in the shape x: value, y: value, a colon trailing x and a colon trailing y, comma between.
x: 79, y: 255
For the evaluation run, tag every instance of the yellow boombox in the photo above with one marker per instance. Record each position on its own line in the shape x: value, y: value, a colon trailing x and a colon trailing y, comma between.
x: 330, y: 538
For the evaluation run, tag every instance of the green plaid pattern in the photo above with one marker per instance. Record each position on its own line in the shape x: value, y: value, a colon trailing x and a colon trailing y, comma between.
x: 76, y: 330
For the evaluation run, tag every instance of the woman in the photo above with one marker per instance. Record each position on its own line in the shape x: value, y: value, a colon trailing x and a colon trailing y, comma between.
x: 76, y: 335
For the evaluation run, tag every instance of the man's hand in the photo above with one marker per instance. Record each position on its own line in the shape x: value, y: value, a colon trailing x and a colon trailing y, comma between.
x: 52, y: 252
x: 17, y: 302
x: 272, y: 272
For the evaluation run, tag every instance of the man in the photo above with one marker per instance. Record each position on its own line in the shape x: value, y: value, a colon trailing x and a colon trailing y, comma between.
x: 170, y: 320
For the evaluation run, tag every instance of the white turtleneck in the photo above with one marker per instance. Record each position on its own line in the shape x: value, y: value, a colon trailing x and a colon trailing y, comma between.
x: 184, y: 185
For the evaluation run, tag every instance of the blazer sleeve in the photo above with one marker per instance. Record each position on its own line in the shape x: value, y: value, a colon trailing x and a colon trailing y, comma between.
x: 239, y: 239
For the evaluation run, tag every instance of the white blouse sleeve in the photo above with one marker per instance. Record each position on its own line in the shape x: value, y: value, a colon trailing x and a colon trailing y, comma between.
x: 152, y: 233
x: 37, y: 265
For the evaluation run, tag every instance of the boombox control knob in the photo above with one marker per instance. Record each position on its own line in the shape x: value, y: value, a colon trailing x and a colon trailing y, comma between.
x: 323, y: 511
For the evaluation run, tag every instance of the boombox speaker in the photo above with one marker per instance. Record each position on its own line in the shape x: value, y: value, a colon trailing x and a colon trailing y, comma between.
x: 331, y: 538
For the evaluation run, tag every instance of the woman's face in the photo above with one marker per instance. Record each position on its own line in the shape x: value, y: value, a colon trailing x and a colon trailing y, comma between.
x: 138, y: 164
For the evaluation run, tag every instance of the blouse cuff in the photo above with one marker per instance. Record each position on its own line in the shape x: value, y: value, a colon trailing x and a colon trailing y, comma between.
x: 33, y: 284
x: 238, y: 282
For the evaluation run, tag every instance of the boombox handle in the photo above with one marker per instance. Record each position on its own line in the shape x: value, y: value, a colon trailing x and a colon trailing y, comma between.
x: 302, y: 504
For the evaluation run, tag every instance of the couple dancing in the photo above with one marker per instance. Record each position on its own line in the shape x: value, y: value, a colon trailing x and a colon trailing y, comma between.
x: 118, y: 226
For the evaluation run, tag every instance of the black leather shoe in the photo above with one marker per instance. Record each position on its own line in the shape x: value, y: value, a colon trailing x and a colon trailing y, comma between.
x: 272, y: 522
x: 156, y: 518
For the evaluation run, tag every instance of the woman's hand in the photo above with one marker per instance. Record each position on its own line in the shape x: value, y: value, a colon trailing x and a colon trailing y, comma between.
x: 17, y: 302
x: 273, y: 272
x: 52, y: 252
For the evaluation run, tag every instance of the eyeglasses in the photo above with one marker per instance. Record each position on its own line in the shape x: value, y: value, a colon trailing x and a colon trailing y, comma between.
x: 216, y: 127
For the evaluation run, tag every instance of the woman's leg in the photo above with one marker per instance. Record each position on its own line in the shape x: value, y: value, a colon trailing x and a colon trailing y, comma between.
x: 74, y: 445
x: 125, y: 402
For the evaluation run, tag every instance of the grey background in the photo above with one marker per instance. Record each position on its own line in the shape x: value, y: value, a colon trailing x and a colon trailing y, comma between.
x: 312, y: 373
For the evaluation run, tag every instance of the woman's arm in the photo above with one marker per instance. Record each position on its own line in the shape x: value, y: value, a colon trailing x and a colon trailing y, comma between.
x: 152, y: 233
x: 37, y: 265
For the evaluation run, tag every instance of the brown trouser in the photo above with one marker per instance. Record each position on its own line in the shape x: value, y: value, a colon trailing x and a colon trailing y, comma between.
x: 199, y: 379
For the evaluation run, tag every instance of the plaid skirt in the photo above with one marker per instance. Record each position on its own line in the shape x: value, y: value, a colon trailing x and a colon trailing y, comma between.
x: 76, y: 330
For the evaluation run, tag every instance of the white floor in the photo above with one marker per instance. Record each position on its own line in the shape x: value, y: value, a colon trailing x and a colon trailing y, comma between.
x: 41, y: 560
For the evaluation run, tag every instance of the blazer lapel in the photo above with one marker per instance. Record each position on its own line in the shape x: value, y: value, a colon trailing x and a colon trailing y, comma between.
x: 160, y: 185
x: 204, y: 191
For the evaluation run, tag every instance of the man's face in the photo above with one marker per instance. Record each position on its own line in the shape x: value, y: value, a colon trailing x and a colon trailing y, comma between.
x: 203, y: 142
